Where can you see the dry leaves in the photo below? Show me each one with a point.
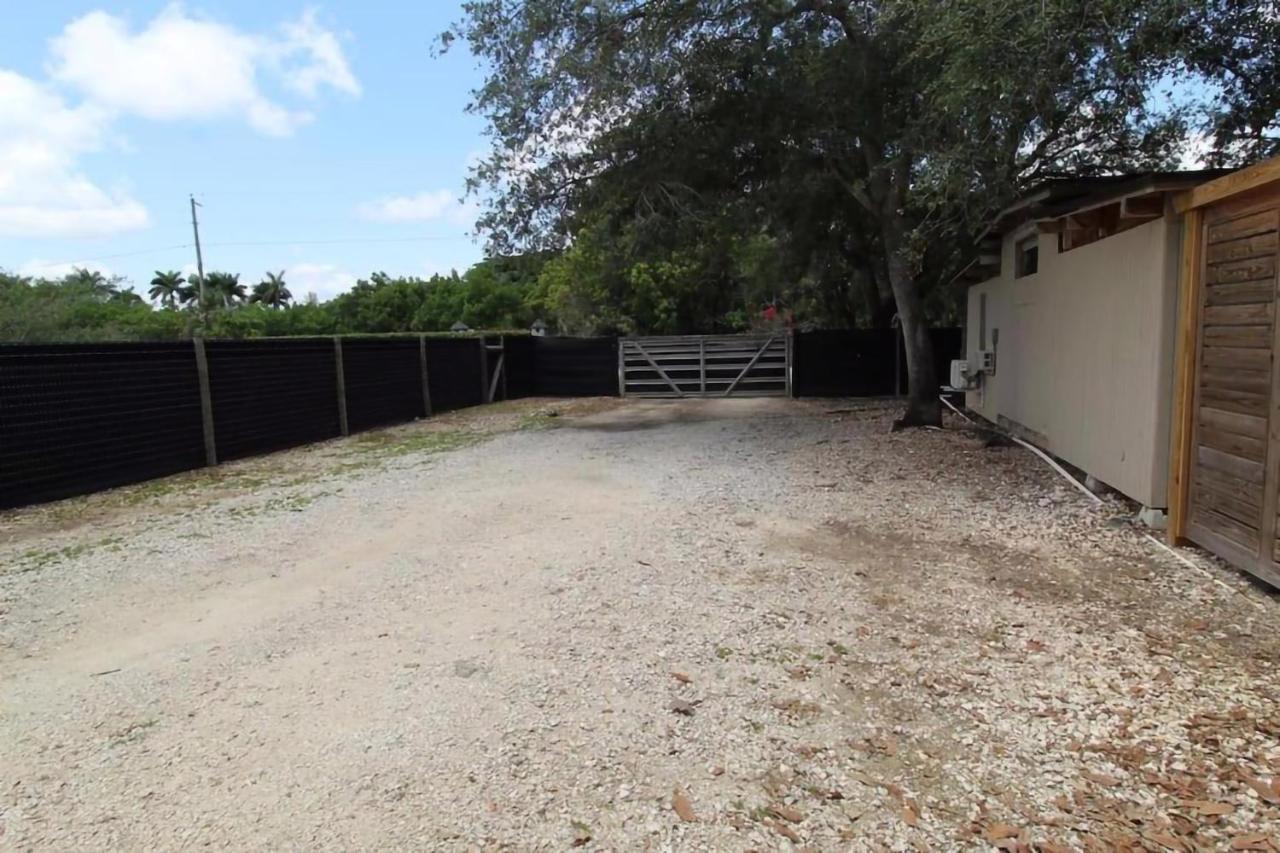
(1268, 791)
(1100, 778)
(998, 831)
(787, 813)
(682, 807)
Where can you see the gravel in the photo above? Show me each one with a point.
(671, 625)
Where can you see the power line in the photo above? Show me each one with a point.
(338, 241)
(81, 261)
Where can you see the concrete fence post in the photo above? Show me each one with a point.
(422, 366)
(484, 370)
(342, 385)
(206, 403)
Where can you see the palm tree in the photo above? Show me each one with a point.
(271, 291)
(167, 288)
(96, 283)
(226, 287)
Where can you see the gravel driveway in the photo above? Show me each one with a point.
(676, 625)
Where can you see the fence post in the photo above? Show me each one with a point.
(622, 366)
(342, 385)
(702, 366)
(502, 359)
(426, 385)
(484, 370)
(206, 403)
(791, 348)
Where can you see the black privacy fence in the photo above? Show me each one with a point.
(78, 418)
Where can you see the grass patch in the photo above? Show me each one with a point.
(132, 733)
(371, 449)
(35, 559)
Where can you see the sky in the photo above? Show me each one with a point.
(327, 140)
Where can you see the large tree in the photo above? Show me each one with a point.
(925, 116)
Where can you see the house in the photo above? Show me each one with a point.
(1125, 325)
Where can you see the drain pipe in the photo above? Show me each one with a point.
(1097, 500)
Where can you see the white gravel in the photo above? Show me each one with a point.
(698, 625)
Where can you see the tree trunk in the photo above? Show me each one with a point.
(923, 405)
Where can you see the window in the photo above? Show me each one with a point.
(1027, 256)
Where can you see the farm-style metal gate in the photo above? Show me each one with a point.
(755, 365)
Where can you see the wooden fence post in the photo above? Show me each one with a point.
(426, 385)
(206, 403)
(484, 370)
(342, 385)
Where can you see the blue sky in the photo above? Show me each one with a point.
(328, 135)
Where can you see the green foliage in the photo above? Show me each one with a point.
(499, 293)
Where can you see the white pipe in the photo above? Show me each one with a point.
(1066, 475)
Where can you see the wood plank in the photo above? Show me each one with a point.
(1240, 402)
(1251, 381)
(1234, 553)
(1226, 527)
(1257, 337)
(1250, 269)
(1241, 226)
(1181, 449)
(1236, 358)
(1238, 315)
(1243, 446)
(1244, 247)
(1232, 506)
(1241, 293)
(1248, 493)
(1236, 424)
(1241, 180)
(1216, 460)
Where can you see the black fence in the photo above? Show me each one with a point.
(863, 362)
(78, 418)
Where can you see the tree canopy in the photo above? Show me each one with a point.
(691, 158)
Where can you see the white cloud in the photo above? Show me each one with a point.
(181, 67)
(324, 280)
(176, 68)
(42, 192)
(422, 207)
(325, 64)
(40, 268)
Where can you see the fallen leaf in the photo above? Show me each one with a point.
(1101, 779)
(1265, 791)
(1167, 841)
(681, 677)
(1208, 807)
(909, 816)
(682, 807)
(787, 813)
(1252, 841)
(997, 831)
(783, 830)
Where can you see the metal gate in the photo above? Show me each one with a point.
(755, 365)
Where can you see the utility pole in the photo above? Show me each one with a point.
(195, 228)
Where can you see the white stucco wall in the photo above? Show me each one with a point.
(1085, 353)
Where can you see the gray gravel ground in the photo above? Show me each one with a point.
(698, 625)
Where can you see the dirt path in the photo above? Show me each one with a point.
(531, 626)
